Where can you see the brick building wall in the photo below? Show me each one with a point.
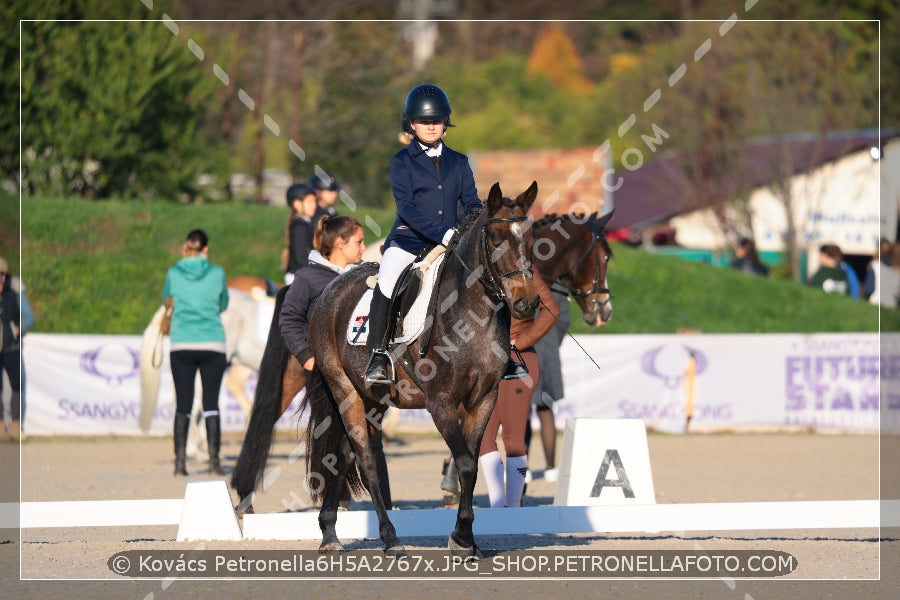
(566, 178)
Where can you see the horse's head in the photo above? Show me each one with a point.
(588, 277)
(508, 241)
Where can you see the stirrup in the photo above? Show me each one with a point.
(388, 363)
(515, 369)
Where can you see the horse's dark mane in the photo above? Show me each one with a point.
(553, 218)
(470, 220)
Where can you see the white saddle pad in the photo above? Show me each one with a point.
(413, 323)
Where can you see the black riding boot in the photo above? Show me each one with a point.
(180, 435)
(514, 369)
(450, 484)
(214, 441)
(379, 364)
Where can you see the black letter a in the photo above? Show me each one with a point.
(602, 481)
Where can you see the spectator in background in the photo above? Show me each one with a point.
(882, 256)
(200, 294)
(747, 258)
(10, 352)
(852, 277)
(326, 188)
(830, 277)
(886, 291)
(300, 228)
(27, 323)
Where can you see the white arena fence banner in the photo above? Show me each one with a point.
(839, 382)
(90, 384)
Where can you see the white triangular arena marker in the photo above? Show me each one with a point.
(207, 513)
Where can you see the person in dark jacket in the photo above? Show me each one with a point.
(300, 229)
(327, 191)
(200, 294)
(10, 351)
(338, 248)
(747, 258)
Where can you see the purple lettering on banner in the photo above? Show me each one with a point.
(115, 410)
(893, 401)
(890, 367)
(819, 388)
(795, 399)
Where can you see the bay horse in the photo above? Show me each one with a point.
(571, 252)
(486, 278)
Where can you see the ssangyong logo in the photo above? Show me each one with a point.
(670, 363)
(113, 362)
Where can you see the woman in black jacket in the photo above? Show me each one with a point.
(339, 246)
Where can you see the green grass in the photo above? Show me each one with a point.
(98, 267)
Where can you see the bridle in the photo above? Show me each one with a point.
(596, 288)
(492, 284)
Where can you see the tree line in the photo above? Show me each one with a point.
(143, 105)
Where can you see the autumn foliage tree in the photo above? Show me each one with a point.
(554, 56)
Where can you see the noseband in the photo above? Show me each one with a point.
(596, 288)
(492, 284)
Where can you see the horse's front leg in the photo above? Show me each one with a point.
(465, 454)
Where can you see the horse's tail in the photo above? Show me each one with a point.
(324, 433)
(251, 463)
(151, 361)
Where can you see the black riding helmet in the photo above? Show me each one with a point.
(297, 191)
(426, 102)
(324, 181)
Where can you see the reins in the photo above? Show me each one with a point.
(596, 288)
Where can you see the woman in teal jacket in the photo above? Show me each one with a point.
(200, 294)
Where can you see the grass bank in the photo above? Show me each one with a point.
(98, 267)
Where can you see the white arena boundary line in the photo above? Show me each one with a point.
(91, 513)
(650, 518)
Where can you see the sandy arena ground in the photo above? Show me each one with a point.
(686, 469)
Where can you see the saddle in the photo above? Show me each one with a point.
(412, 300)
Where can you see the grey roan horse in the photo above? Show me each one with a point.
(486, 277)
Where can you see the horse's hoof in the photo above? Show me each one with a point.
(396, 552)
(459, 551)
(331, 548)
(451, 500)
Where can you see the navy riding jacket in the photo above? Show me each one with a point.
(428, 203)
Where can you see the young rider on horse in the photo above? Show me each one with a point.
(434, 190)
